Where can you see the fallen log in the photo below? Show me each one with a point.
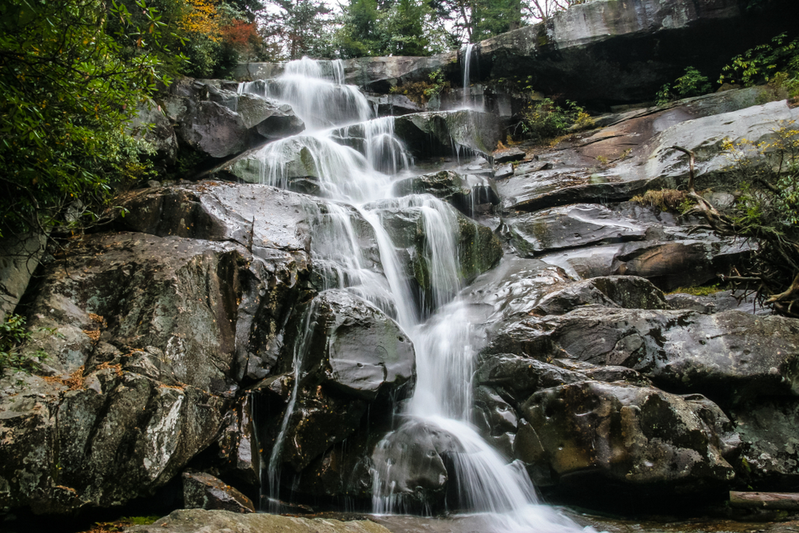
(765, 500)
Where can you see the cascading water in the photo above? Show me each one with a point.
(352, 159)
(467, 59)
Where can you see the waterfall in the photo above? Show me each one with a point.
(467, 59)
(353, 158)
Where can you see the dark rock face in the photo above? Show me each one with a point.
(137, 351)
(607, 52)
(433, 134)
(359, 350)
(150, 334)
(213, 130)
(593, 433)
(350, 355)
(203, 491)
(467, 194)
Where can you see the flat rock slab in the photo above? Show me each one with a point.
(202, 521)
(652, 163)
(571, 227)
(726, 355)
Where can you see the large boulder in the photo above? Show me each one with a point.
(639, 440)
(357, 349)
(268, 223)
(213, 130)
(150, 333)
(141, 344)
(344, 355)
(679, 350)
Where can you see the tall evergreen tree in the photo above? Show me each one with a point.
(396, 27)
(298, 27)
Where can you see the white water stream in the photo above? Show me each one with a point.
(356, 181)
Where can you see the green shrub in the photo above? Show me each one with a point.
(760, 64)
(544, 119)
(692, 83)
(12, 335)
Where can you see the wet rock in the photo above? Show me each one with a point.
(522, 288)
(410, 464)
(505, 171)
(516, 377)
(445, 184)
(652, 163)
(467, 193)
(203, 491)
(679, 350)
(508, 155)
(357, 349)
(344, 470)
(100, 438)
(414, 224)
(213, 130)
(571, 227)
(496, 420)
(269, 119)
(670, 257)
(438, 133)
(269, 223)
(193, 520)
(637, 439)
(238, 446)
(151, 124)
(392, 105)
(352, 356)
(769, 445)
(148, 334)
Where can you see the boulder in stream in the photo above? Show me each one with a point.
(641, 440)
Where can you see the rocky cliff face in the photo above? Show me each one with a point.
(212, 331)
(600, 53)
